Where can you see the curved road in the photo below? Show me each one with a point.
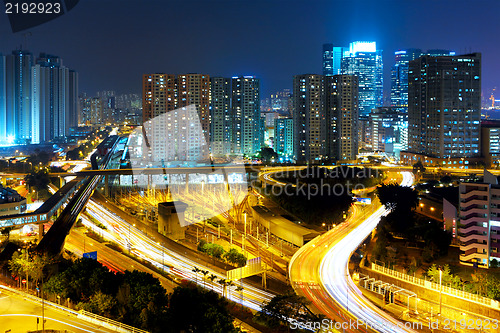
(319, 271)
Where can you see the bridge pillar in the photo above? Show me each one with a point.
(106, 185)
(186, 188)
(40, 231)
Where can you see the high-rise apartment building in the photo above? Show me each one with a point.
(399, 74)
(221, 119)
(174, 111)
(444, 106)
(325, 117)
(332, 59)
(54, 104)
(479, 224)
(194, 89)
(38, 99)
(342, 116)
(309, 118)
(15, 76)
(247, 136)
(283, 138)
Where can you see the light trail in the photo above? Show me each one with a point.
(319, 271)
(144, 247)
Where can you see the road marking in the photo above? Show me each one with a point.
(48, 318)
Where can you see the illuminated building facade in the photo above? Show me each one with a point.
(479, 223)
(363, 60)
(490, 143)
(247, 124)
(220, 113)
(283, 138)
(332, 59)
(389, 130)
(444, 109)
(399, 74)
(325, 117)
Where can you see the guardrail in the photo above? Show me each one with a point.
(108, 323)
(436, 287)
(82, 314)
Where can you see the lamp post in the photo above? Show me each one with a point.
(440, 289)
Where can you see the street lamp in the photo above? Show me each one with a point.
(440, 289)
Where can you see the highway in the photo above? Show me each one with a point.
(125, 234)
(20, 316)
(319, 271)
(53, 241)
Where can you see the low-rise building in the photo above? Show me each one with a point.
(11, 202)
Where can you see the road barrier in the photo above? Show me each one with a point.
(435, 286)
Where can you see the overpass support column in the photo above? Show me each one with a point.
(106, 185)
(40, 231)
(186, 188)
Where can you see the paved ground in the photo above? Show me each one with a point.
(20, 316)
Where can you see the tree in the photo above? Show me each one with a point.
(143, 300)
(397, 197)
(234, 257)
(418, 167)
(192, 309)
(212, 277)
(39, 180)
(281, 308)
(268, 155)
(6, 232)
(100, 304)
(446, 277)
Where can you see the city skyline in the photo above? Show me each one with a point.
(294, 49)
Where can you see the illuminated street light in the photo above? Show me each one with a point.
(440, 289)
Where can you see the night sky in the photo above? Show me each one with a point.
(111, 43)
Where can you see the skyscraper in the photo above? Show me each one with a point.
(325, 117)
(246, 115)
(220, 113)
(283, 138)
(194, 89)
(363, 60)
(332, 59)
(341, 92)
(16, 74)
(53, 91)
(38, 100)
(444, 106)
(175, 110)
(399, 74)
(309, 118)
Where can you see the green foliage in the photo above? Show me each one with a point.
(418, 167)
(28, 265)
(267, 155)
(142, 300)
(135, 298)
(446, 277)
(211, 249)
(234, 257)
(397, 197)
(82, 279)
(39, 180)
(196, 310)
(99, 303)
(494, 263)
(283, 307)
